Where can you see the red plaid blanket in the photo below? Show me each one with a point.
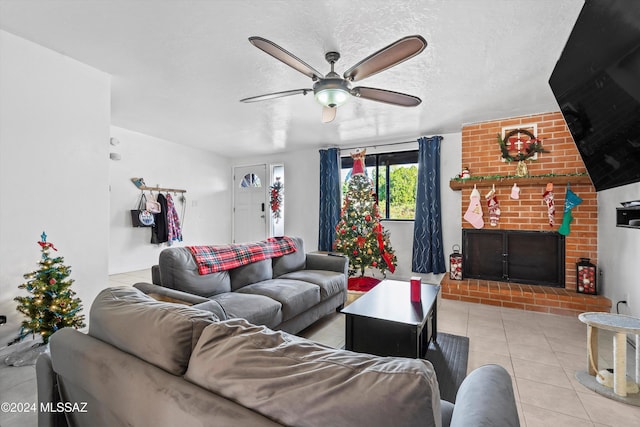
(211, 259)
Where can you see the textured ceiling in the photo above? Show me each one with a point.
(179, 68)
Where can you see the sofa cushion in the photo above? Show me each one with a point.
(298, 382)
(294, 295)
(256, 309)
(178, 270)
(250, 273)
(330, 282)
(161, 333)
(290, 262)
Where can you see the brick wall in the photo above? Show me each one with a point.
(481, 154)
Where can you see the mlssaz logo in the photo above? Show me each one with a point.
(63, 407)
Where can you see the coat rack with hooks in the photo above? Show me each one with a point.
(140, 184)
(161, 189)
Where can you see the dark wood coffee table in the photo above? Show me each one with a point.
(385, 322)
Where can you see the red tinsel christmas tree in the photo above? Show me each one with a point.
(360, 235)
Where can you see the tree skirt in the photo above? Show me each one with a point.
(362, 284)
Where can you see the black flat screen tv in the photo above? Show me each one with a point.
(596, 82)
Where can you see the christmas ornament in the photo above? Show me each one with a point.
(455, 264)
(586, 276)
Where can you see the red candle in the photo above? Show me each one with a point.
(416, 289)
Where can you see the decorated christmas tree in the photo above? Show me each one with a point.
(359, 233)
(52, 304)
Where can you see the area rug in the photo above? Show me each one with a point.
(449, 356)
(362, 284)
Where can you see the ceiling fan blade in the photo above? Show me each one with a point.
(276, 95)
(328, 114)
(395, 53)
(386, 96)
(288, 58)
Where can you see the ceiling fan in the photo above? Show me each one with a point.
(331, 91)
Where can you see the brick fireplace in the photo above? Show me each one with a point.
(482, 156)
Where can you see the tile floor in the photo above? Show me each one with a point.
(540, 351)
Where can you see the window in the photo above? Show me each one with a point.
(250, 180)
(395, 179)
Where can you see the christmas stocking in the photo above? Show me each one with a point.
(474, 212)
(494, 210)
(571, 200)
(515, 192)
(565, 229)
(551, 209)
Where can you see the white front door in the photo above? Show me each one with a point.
(250, 210)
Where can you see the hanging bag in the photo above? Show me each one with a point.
(153, 206)
(141, 217)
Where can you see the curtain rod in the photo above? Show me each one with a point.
(379, 145)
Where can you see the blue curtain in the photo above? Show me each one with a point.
(329, 197)
(428, 255)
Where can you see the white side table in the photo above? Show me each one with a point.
(621, 325)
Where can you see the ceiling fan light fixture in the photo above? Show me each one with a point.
(332, 93)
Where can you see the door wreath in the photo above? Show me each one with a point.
(531, 146)
(276, 199)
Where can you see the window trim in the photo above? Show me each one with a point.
(385, 160)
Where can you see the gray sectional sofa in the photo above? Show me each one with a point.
(286, 293)
(151, 363)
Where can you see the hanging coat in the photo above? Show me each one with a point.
(159, 232)
(173, 222)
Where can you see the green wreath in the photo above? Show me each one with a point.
(534, 147)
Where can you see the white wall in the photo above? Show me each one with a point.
(618, 250)
(302, 171)
(54, 133)
(205, 176)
